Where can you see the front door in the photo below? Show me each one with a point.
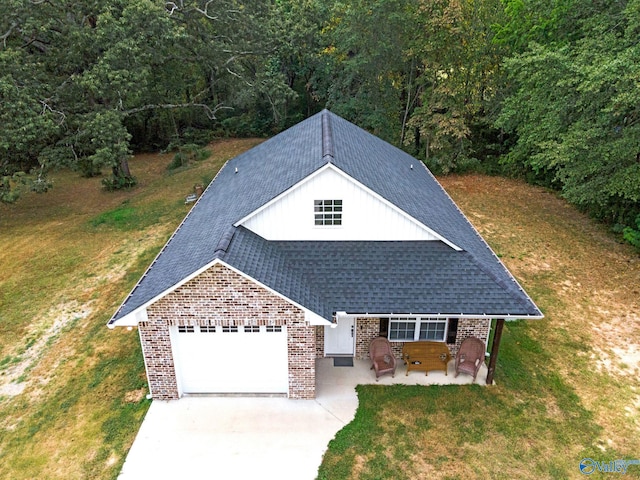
(340, 340)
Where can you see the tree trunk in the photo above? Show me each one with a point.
(121, 170)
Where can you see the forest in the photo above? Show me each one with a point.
(545, 90)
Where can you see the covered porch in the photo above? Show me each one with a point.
(329, 376)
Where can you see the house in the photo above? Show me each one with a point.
(310, 245)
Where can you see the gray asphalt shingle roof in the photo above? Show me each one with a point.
(325, 277)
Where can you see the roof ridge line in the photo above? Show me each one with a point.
(327, 136)
(225, 240)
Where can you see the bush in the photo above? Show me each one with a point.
(113, 183)
(187, 154)
(632, 235)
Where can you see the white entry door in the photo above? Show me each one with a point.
(242, 359)
(340, 340)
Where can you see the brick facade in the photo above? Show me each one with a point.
(158, 359)
(220, 296)
(467, 327)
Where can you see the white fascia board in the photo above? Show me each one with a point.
(140, 314)
(340, 172)
(472, 316)
(131, 319)
(314, 318)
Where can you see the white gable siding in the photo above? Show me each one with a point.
(364, 217)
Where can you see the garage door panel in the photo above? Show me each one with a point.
(232, 360)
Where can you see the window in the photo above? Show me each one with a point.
(412, 329)
(186, 329)
(274, 328)
(229, 329)
(401, 329)
(432, 331)
(452, 330)
(327, 212)
(251, 329)
(207, 329)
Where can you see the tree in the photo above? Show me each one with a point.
(365, 63)
(574, 113)
(82, 80)
(418, 73)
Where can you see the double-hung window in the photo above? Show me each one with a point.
(411, 329)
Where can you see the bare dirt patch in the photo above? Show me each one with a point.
(43, 333)
(135, 396)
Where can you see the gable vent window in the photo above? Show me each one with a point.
(186, 329)
(327, 212)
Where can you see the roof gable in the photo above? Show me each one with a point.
(365, 215)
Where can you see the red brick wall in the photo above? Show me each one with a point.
(220, 296)
(366, 330)
(471, 328)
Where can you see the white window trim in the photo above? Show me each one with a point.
(416, 332)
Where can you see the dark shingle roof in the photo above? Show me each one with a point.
(375, 277)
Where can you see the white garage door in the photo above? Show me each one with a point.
(244, 359)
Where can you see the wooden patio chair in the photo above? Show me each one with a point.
(470, 356)
(381, 356)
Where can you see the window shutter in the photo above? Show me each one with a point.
(384, 327)
(452, 333)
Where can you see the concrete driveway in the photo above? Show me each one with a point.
(239, 437)
(256, 437)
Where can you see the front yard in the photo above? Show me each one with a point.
(72, 393)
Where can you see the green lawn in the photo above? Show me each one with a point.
(73, 392)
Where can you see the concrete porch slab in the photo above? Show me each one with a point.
(361, 374)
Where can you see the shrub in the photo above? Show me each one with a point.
(112, 183)
(187, 154)
(632, 235)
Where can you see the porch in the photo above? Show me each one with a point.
(328, 376)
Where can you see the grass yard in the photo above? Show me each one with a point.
(73, 393)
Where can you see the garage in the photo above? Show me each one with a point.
(231, 359)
